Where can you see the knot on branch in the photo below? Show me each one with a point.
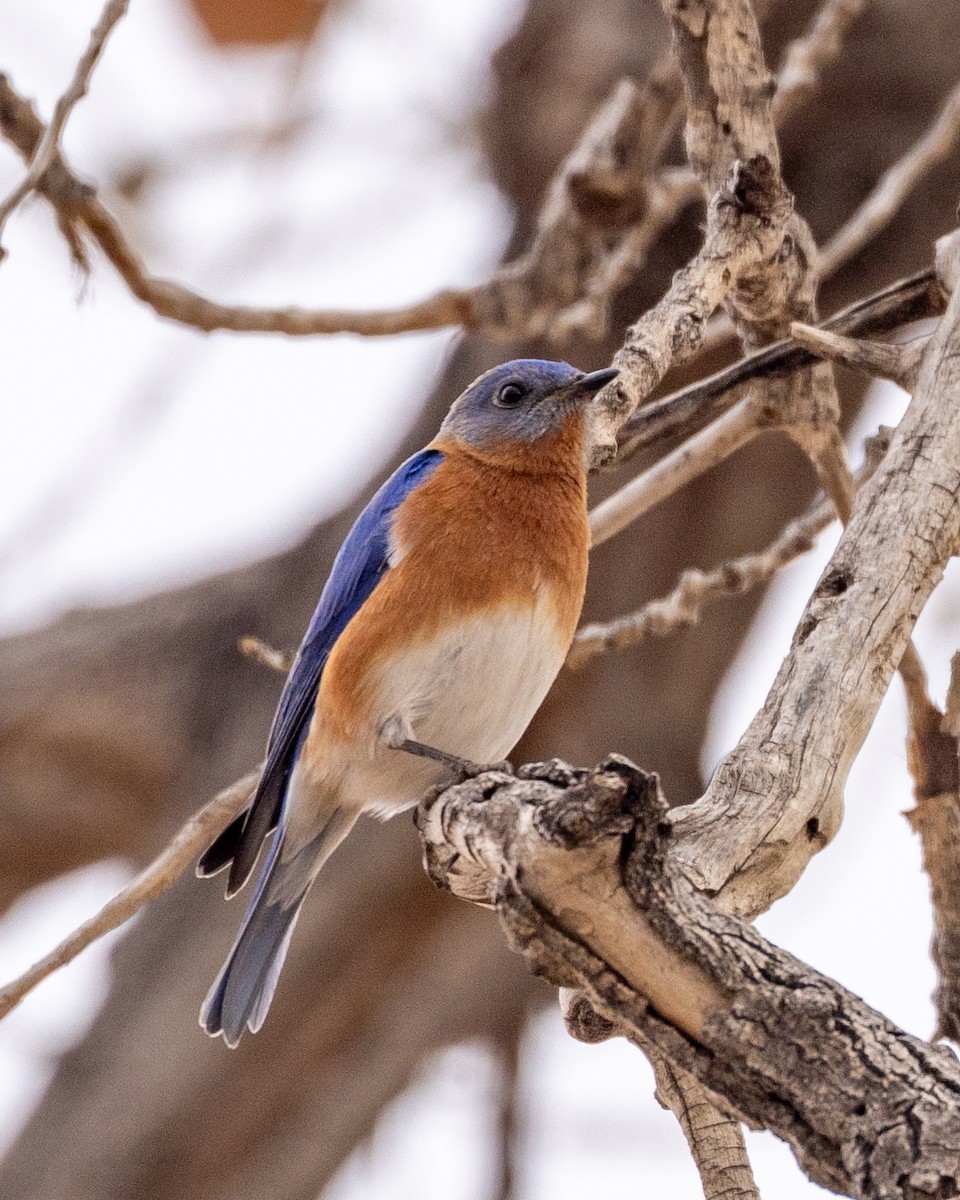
(748, 186)
(478, 833)
(596, 804)
(582, 1020)
(753, 190)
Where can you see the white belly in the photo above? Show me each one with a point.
(472, 692)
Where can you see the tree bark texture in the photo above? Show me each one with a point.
(578, 867)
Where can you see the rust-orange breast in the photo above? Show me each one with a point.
(485, 532)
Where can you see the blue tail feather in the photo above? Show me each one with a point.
(248, 979)
(241, 993)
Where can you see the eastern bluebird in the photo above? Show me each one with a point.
(447, 615)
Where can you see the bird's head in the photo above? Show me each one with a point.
(522, 407)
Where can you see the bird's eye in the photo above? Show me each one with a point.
(510, 396)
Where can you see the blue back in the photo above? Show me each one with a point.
(358, 567)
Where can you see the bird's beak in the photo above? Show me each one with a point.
(589, 385)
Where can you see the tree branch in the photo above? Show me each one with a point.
(809, 56)
(153, 881)
(900, 364)
(745, 263)
(579, 867)
(696, 588)
(777, 798)
(47, 149)
(697, 454)
(932, 750)
(267, 656)
(602, 188)
(715, 1139)
(901, 303)
(893, 188)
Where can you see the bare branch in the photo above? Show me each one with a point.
(777, 797)
(579, 867)
(156, 879)
(671, 190)
(899, 304)
(47, 150)
(604, 208)
(715, 1139)
(764, 282)
(808, 57)
(745, 223)
(894, 187)
(600, 191)
(882, 359)
(698, 454)
(589, 314)
(80, 212)
(684, 605)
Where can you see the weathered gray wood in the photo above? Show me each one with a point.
(778, 796)
(578, 865)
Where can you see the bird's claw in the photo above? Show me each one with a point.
(462, 768)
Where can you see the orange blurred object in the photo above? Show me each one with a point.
(259, 22)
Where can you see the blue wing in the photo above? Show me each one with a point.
(358, 567)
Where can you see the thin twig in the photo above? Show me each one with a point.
(153, 881)
(696, 588)
(715, 1139)
(599, 189)
(894, 187)
(48, 147)
(605, 191)
(673, 189)
(589, 315)
(698, 454)
(265, 655)
(80, 212)
(594, 193)
(683, 606)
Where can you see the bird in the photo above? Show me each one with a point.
(447, 615)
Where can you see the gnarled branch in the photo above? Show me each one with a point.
(578, 866)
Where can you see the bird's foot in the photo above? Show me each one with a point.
(462, 768)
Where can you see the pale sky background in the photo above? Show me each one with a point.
(179, 454)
